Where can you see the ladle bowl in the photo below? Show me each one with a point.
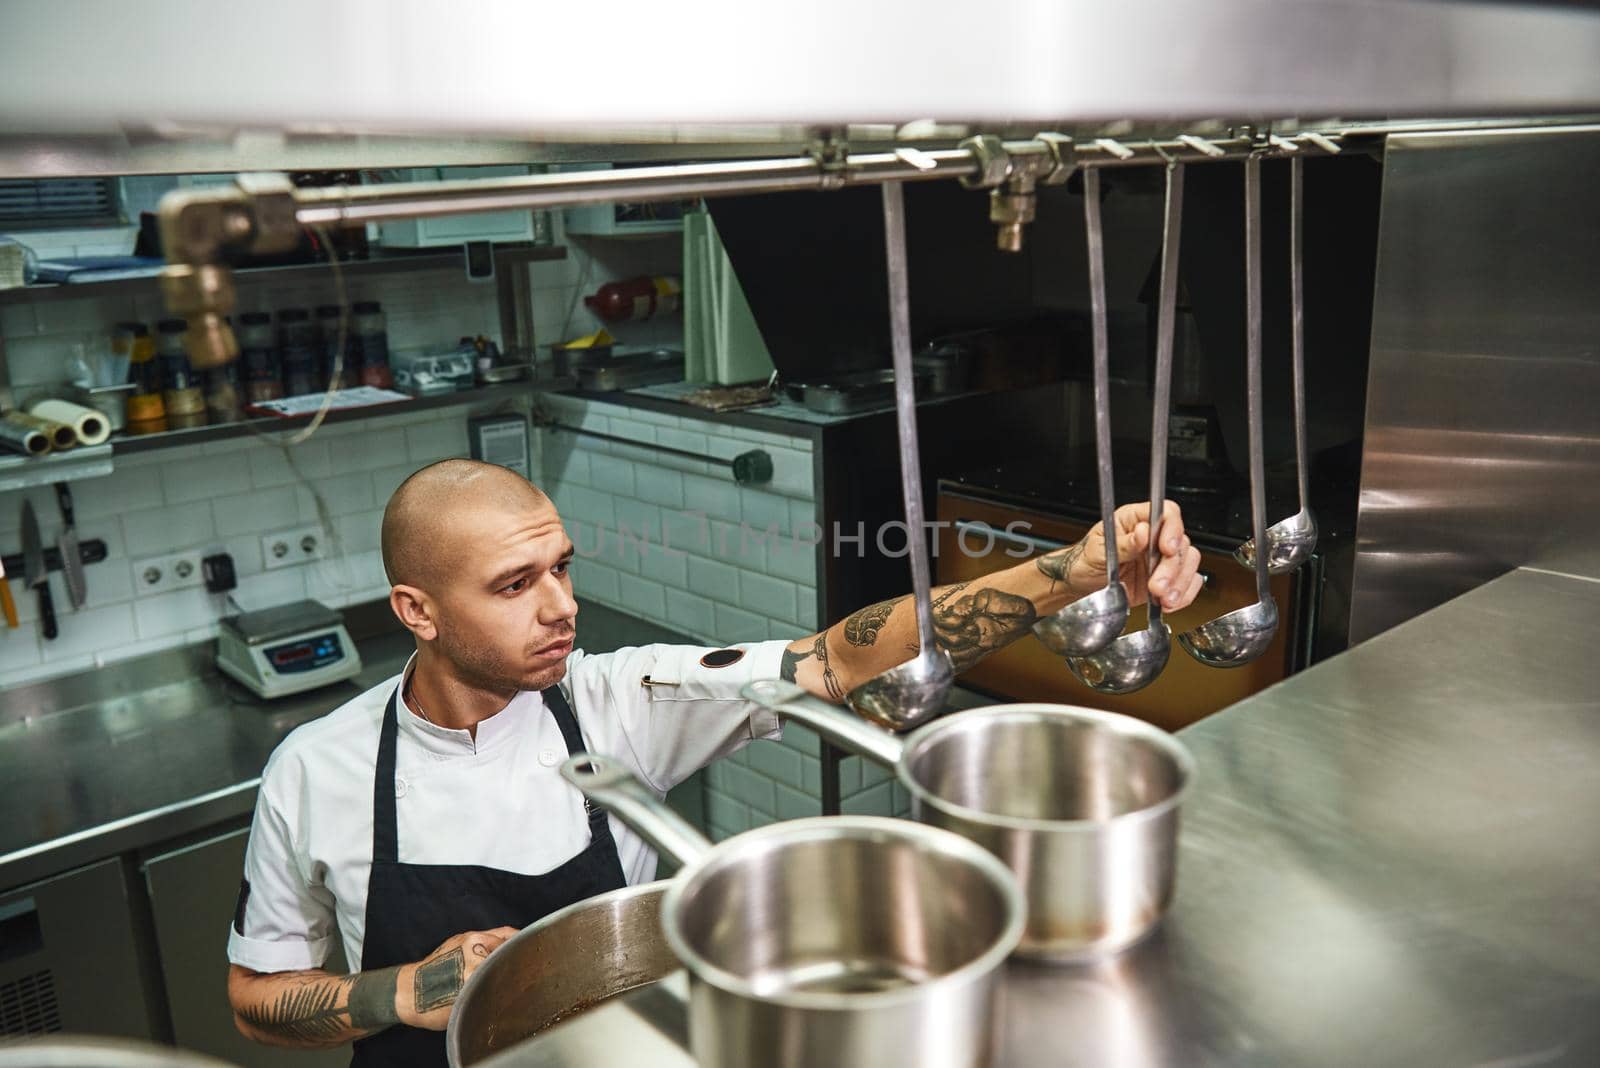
(908, 695)
(1234, 639)
(1290, 543)
(1129, 663)
(1087, 625)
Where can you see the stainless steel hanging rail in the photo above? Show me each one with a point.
(265, 213)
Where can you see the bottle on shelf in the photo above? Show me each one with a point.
(328, 316)
(224, 398)
(181, 392)
(299, 352)
(145, 410)
(372, 342)
(644, 297)
(258, 358)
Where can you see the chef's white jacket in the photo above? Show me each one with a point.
(497, 800)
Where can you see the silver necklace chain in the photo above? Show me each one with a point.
(411, 693)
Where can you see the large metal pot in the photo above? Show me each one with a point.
(1081, 804)
(552, 970)
(833, 941)
(68, 1051)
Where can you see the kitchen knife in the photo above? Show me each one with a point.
(33, 568)
(67, 543)
(7, 605)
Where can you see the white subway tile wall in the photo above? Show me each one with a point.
(678, 542)
(149, 507)
(674, 529)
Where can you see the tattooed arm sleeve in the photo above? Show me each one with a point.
(970, 621)
(312, 1009)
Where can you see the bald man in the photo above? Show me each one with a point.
(426, 821)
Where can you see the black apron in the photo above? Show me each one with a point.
(412, 908)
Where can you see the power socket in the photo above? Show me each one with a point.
(164, 574)
(299, 545)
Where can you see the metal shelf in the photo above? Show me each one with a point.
(172, 439)
(507, 254)
(20, 472)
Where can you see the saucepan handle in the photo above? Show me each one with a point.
(606, 782)
(838, 725)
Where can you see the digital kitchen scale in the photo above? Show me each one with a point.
(288, 649)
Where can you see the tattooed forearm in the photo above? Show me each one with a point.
(789, 667)
(372, 999)
(829, 680)
(790, 664)
(311, 1012)
(439, 981)
(862, 627)
(316, 1009)
(970, 628)
(1057, 566)
(943, 595)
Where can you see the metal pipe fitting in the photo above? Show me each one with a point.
(994, 162)
(257, 215)
(1011, 208)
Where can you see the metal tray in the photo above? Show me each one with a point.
(630, 372)
(857, 392)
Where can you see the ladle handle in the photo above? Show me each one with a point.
(1297, 299)
(609, 784)
(1252, 350)
(1161, 401)
(842, 728)
(905, 411)
(1102, 367)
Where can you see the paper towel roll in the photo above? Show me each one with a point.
(61, 435)
(27, 439)
(90, 425)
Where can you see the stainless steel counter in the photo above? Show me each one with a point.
(1392, 858)
(143, 752)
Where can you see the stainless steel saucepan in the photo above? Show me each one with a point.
(830, 941)
(1082, 805)
(82, 1051)
(564, 964)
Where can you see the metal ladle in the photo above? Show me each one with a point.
(1091, 623)
(1133, 661)
(915, 691)
(1245, 633)
(1291, 541)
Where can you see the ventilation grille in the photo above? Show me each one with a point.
(28, 1006)
(28, 202)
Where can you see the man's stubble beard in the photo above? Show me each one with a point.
(482, 668)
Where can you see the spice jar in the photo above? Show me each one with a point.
(299, 352)
(372, 341)
(223, 395)
(146, 413)
(258, 356)
(181, 393)
(328, 319)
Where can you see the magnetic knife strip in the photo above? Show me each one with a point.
(90, 552)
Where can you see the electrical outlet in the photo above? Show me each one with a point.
(300, 545)
(163, 574)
